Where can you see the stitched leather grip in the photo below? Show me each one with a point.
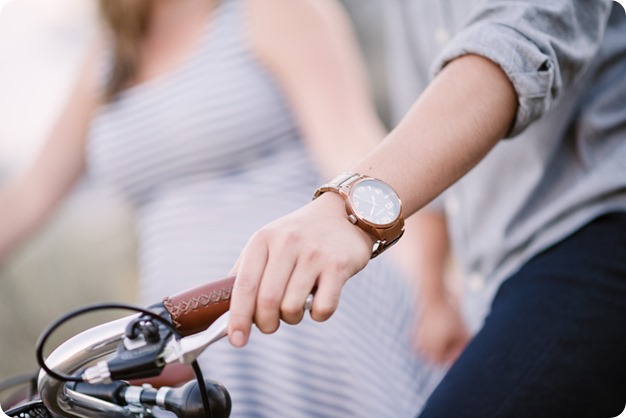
(194, 310)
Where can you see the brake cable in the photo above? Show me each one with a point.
(45, 335)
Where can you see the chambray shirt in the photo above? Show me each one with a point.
(564, 161)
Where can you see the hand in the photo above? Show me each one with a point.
(315, 248)
(441, 335)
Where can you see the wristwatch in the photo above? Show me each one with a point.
(372, 205)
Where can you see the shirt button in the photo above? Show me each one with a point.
(442, 36)
(476, 282)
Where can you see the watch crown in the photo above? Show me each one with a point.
(352, 219)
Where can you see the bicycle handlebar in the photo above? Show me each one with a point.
(191, 312)
(196, 309)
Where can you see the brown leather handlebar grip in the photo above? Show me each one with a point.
(194, 310)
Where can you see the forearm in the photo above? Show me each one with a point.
(459, 118)
(351, 139)
(18, 218)
(432, 256)
(465, 111)
(29, 200)
(310, 49)
(429, 243)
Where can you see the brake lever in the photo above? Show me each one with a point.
(187, 349)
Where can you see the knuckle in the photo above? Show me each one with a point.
(268, 327)
(314, 255)
(263, 233)
(239, 321)
(277, 237)
(268, 301)
(339, 265)
(289, 238)
(291, 313)
(262, 236)
(245, 285)
(322, 312)
(294, 320)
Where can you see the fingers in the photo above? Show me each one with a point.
(315, 273)
(435, 351)
(273, 284)
(452, 353)
(430, 348)
(457, 346)
(327, 295)
(268, 283)
(289, 279)
(441, 346)
(286, 259)
(303, 281)
(243, 300)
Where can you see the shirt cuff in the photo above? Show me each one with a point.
(530, 70)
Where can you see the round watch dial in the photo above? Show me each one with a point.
(375, 202)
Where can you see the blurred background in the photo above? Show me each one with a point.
(87, 253)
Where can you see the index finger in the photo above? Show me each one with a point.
(250, 265)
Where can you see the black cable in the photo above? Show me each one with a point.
(203, 392)
(43, 338)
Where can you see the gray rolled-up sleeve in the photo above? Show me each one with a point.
(540, 45)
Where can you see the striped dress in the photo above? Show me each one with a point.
(207, 154)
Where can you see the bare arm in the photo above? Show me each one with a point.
(424, 252)
(26, 202)
(440, 333)
(309, 46)
(465, 111)
(311, 50)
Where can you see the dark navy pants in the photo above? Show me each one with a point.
(554, 343)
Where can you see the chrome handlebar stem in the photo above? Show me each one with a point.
(72, 356)
(81, 353)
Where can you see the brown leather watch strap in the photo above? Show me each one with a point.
(195, 309)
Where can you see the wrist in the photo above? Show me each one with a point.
(434, 299)
(369, 204)
(331, 204)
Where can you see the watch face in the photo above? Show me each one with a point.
(375, 202)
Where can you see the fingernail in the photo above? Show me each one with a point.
(238, 339)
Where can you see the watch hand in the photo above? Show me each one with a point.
(365, 201)
(372, 202)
